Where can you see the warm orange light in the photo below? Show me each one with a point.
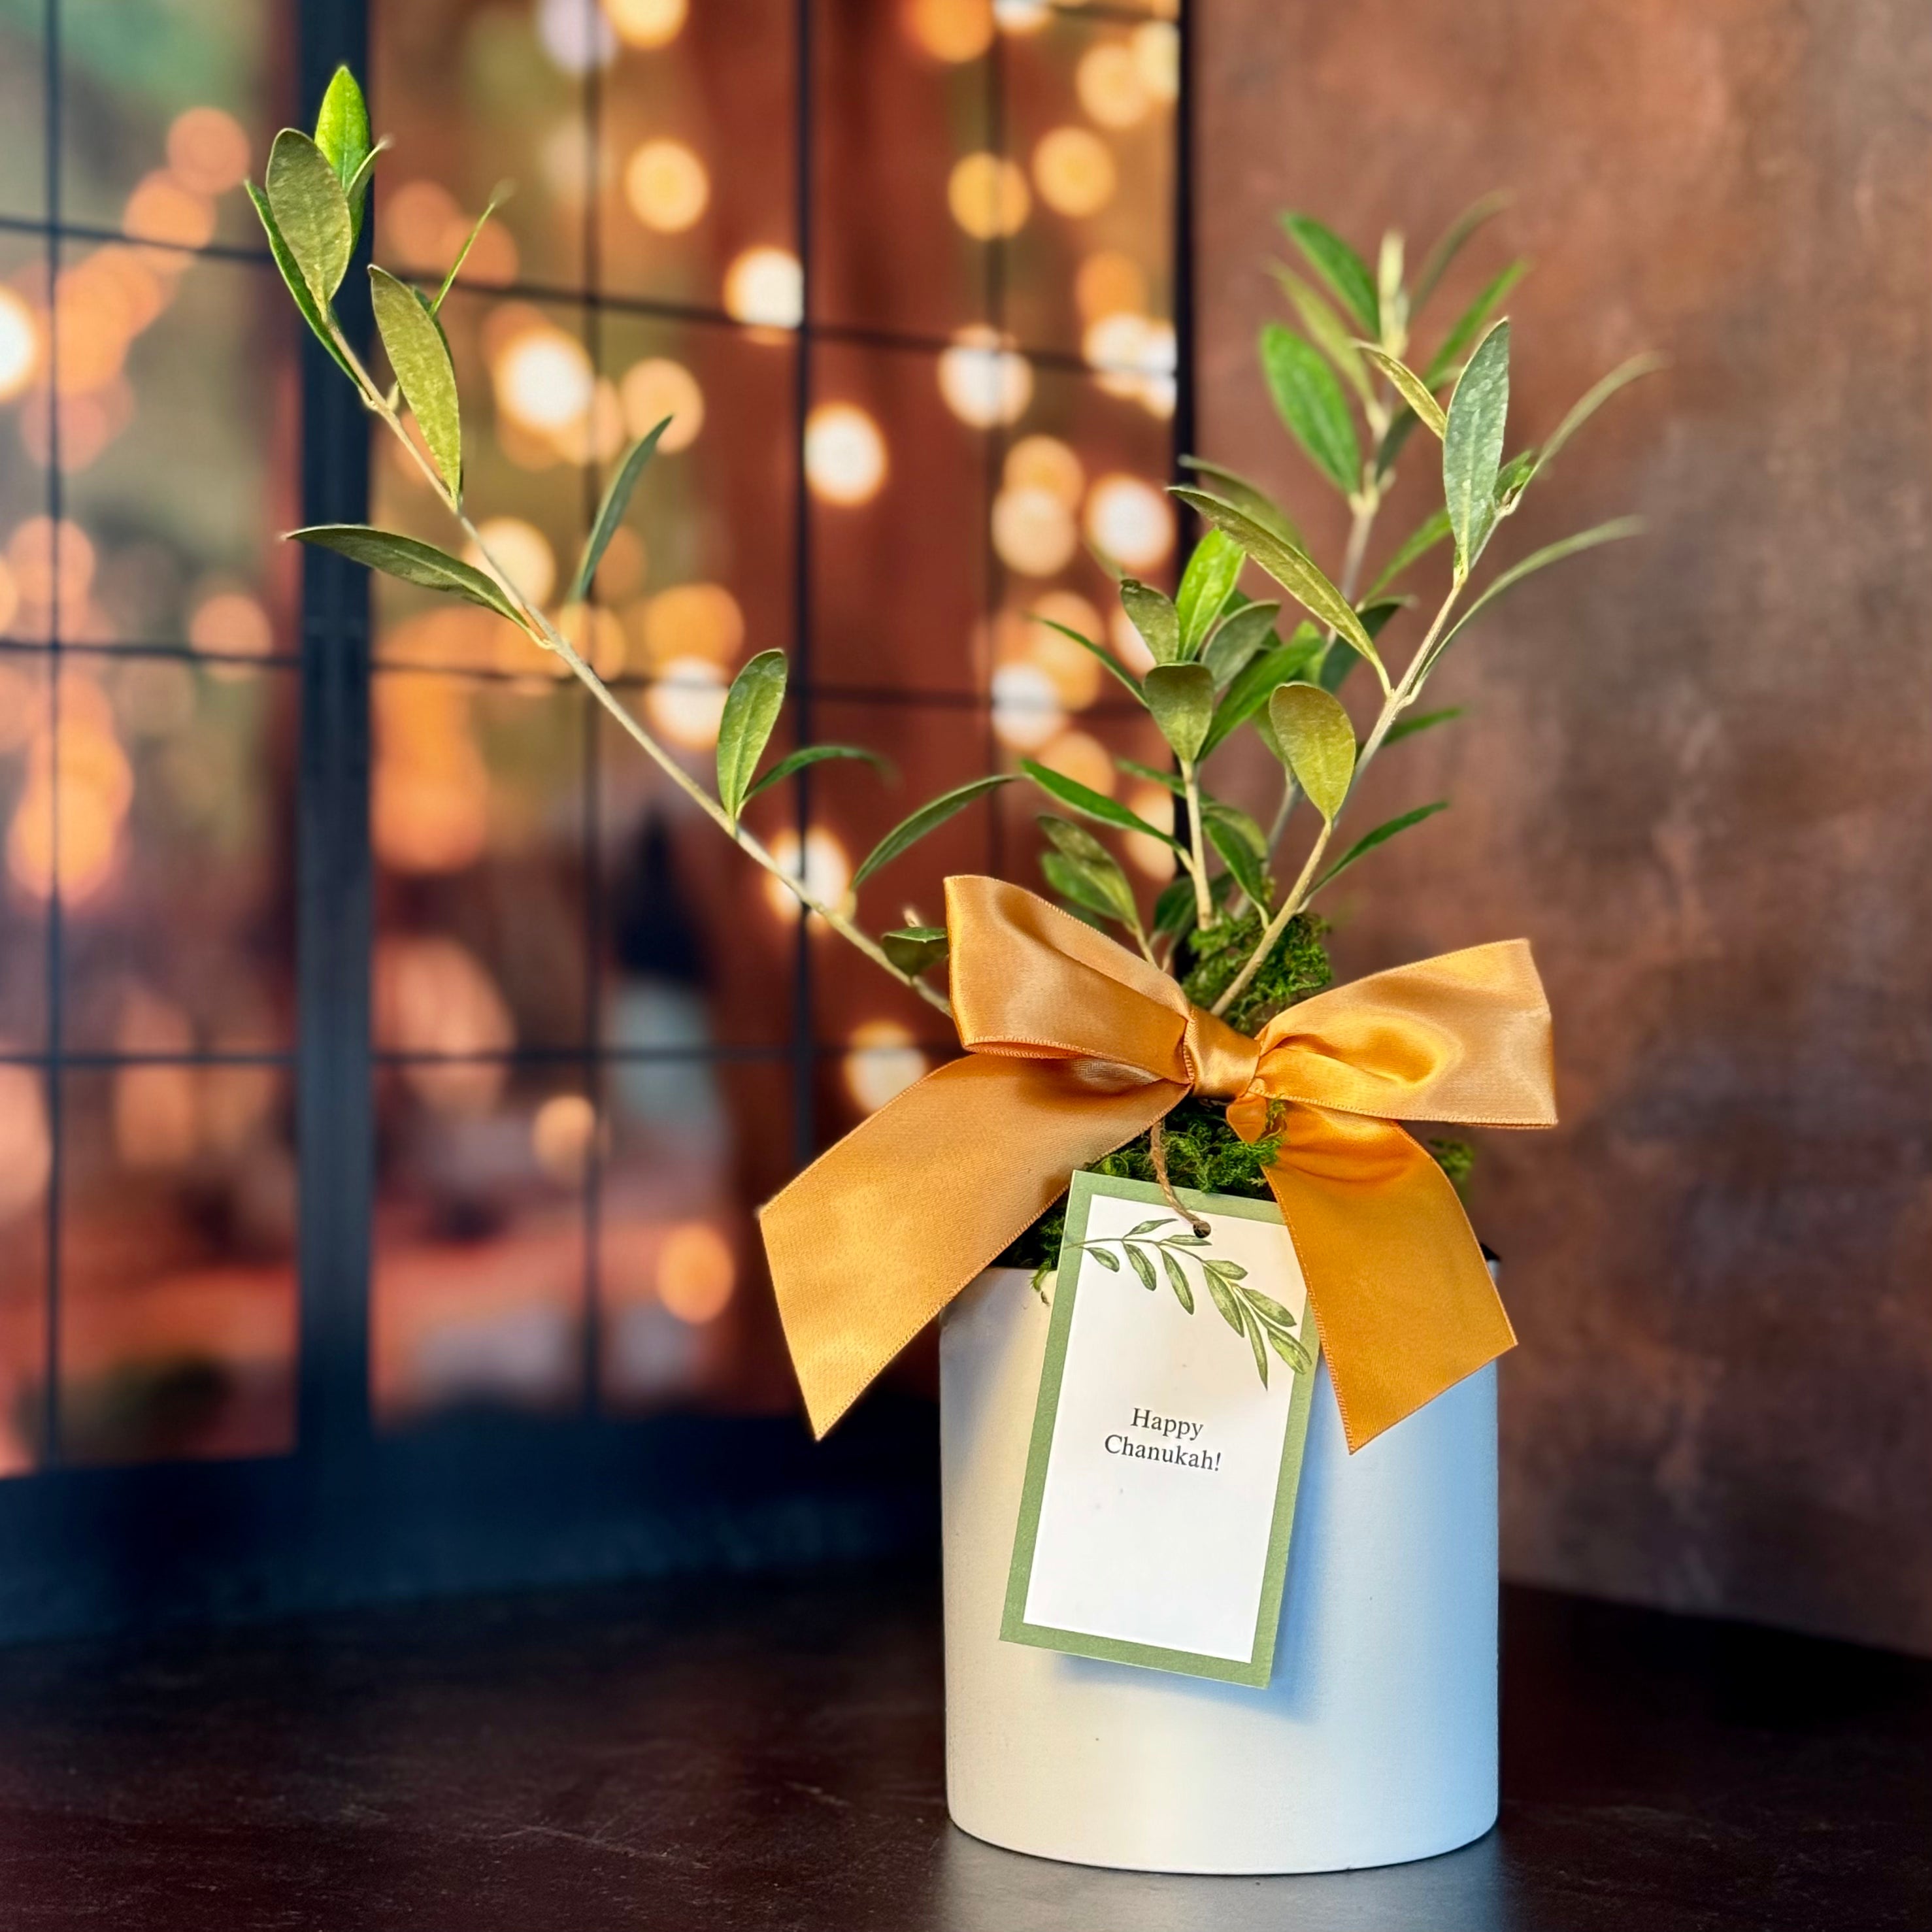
(1157, 54)
(207, 150)
(544, 380)
(1026, 707)
(597, 637)
(695, 1273)
(844, 454)
(667, 186)
(646, 23)
(75, 842)
(657, 387)
(435, 997)
(1135, 357)
(1073, 169)
(983, 380)
(1080, 756)
(522, 552)
(987, 195)
(625, 564)
(154, 1112)
(693, 620)
(1033, 531)
(163, 209)
(1045, 463)
(685, 703)
(882, 1062)
(233, 622)
(950, 30)
(562, 1131)
(1130, 521)
(20, 345)
(1151, 856)
(26, 1150)
(51, 563)
(429, 804)
(1111, 85)
(420, 221)
(1109, 283)
(1076, 673)
(1022, 17)
(827, 871)
(766, 287)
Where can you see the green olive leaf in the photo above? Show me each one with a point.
(929, 818)
(313, 313)
(1236, 638)
(1291, 568)
(1091, 804)
(792, 762)
(1433, 530)
(1472, 446)
(1310, 401)
(611, 511)
(1102, 889)
(342, 134)
(1326, 330)
(1380, 836)
(1468, 324)
(1239, 855)
(751, 708)
(1177, 1278)
(1206, 585)
(1338, 265)
(417, 353)
(1250, 498)
(413, 561)
(914, 949)
(1424, 721)
(1317, 742)
(311, 212)
(1086, 644)
(1154, 615)
(1181, 698)
(1454, 236)
(1247, 692)
(501, 194)
(1413, 390)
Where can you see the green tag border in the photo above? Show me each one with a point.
(1014, 1627)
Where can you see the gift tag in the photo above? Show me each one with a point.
(1167, 1443)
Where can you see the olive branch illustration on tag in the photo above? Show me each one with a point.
(1259, 1319)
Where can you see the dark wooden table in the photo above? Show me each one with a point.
(750, 1755)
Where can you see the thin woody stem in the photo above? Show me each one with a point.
(543, 633)
(1204, 900)
(1277, 925)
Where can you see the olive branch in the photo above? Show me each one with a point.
(1259, 1319)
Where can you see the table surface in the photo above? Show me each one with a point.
(751, 1754)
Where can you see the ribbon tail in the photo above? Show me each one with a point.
(1397, 1278)
(873, 1239)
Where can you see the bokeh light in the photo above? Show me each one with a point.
(20, 345)
(1151, 857)
(1129, 521)
(1022, 17)
(563, 1131)
(1033, 531)
(522, 552)
(544, 380)
(1108, 282)
(882, 1061)
(1074, 170)
(207, 150)
(844, 454)
(1157, 54)
(987, 195)
(827, 873)
(766, 287)
(646, 23)
(686, 702)
(1045, 463)
(1080, 756)
(692, 620)
(696, 1273)
(1111, 85)
(233, 622)
(667, 186)
(657, 387)
(26, 1148)
(983, 380)
(1026, 707)
(578, 37)
(950, 30)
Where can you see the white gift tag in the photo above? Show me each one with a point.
(1167, 1443)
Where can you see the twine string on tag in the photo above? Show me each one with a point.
(1157, 1149)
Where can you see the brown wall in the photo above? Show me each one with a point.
(1699, 771)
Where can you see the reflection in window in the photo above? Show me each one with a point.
(147, 738)
(602, 1042)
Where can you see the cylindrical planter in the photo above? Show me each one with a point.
(1374, 1743)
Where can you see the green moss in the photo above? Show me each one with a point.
(1204, 1153)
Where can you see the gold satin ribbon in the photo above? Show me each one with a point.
(1074, 1046)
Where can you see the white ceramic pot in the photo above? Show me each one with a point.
(1375, 1743)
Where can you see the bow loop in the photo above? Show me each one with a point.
(1074, 1046)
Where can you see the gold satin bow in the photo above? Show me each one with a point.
(1074, 1046)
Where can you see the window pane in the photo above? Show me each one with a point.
(25, 1162)
(160, 355)
(165, 105)
(478, 1283)
(698, 169)
(27, 814)
(899, 505)
(477, 95)
(907, 191)
(477, 817)
(178, 1311)
(23, 178)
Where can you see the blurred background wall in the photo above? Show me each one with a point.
(1696, 769)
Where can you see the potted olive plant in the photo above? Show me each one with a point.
(1375, 1739)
